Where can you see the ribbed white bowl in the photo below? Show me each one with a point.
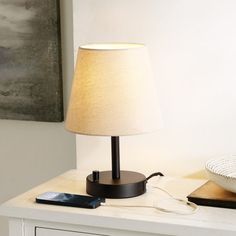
(223, 172)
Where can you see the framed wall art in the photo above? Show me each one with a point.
(30, 60)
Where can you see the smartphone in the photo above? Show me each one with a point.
(68, 199)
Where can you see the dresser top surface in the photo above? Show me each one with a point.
(133, 218)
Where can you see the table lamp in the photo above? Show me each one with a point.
(113, 94)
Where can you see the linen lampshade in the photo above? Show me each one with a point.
(113, 91)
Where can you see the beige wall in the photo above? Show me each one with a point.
(192, 48)
(32, 152)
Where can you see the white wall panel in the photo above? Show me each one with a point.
(193, 52)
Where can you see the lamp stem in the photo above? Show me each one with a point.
(115, 155)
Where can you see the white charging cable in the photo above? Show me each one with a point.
(192, 206)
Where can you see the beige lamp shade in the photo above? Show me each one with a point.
(113, 91)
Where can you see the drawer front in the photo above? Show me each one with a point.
(55, 232)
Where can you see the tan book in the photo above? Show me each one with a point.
(210, 194)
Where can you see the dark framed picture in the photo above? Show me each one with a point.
(30, 60)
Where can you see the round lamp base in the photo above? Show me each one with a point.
(130, 184)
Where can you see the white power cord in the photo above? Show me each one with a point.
(192, 206)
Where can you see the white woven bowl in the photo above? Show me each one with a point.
(223, 172)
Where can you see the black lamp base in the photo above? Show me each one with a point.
(130, 184)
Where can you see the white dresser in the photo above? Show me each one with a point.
(27, 218)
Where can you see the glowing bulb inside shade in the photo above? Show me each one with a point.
(111, 46)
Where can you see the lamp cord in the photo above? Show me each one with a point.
(189, 204)
(154, 175)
